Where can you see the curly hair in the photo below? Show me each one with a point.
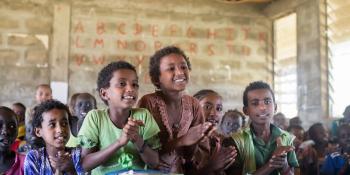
(106, 74)
(203, 93)
(154, 62)
(43, 107)
(254, 86)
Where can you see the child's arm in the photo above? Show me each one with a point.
(148, 155)
(278, 161)
(193, 136)
(92, 157)
(30, 166)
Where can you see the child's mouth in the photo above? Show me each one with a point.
(128, 97)
(61, 138)
(4, 141)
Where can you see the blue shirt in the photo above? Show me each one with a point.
(333, 163)
(37, 162)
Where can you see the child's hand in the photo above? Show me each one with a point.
(62, 162)
(279, 156)
(197, 133)
(130, 131)
(223, 158)
(281, 150)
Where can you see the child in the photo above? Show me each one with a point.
(31, 142)
(280, 121)
(50, 123)
(299, 134)
(338, 162)
(43, 93)
(20, 110)
(231, 122)
(10, 161)
(344, 120)
(179, 116)
(262, 147)
(319, 134)
(214, 161)
(295, 121)
(119, 137)
(83, 103)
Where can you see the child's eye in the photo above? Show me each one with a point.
(135, 85)
(52, 125)
(64, 124)
(255, 103)
(267, 101)
(172, 68)
(12, 126)
(207, 107)
(122, 84)
(219, 108)
(184, 67)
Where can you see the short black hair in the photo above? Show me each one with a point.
(154, 62)
(254, 86)
(43, 107)
(313, 129)
(106, 74)
(8, 111)
(20, 105)
(203, 93)
(294, 127)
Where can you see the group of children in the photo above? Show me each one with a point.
(168, 132)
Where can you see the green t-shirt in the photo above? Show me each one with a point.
(98, 131)
(254, 153)
(263, 152)
(73, 141)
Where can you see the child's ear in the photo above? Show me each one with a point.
(37, 132)
(103, 94)
(245, 110)
(275, 107)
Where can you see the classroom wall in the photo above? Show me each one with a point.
(228, 45)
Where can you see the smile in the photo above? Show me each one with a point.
(129, 97)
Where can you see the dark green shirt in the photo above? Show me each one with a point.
(263, 151)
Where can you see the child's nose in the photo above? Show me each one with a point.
(179, 71)
(130, 88)
(4, 130)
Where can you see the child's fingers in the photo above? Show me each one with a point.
(136, 122)
(279, 141)
(211, 131)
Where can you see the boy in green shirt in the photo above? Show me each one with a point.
(262, 147)
(119, 137)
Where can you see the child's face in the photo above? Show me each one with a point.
(19, 112)
(8, 130)
(43, 94)
(299, 136)
(54, 128)
(174, 73)
(261, 106)
(29, 130)
(321, 135)
(280, 121)
(212, 108)
(123, 89)
(231, 124)
(344, 138)
(83, 105)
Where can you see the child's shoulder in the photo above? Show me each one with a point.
(97, 113)
(140, 113)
